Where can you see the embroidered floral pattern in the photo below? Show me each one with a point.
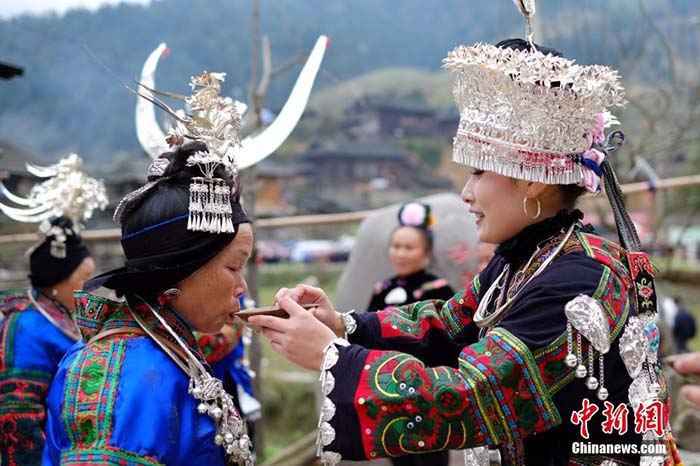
(90, 392)
(216, 347)
(106, 455)
(416, 319)
(405, 407)
(23, 390)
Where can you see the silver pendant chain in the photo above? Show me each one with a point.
(482, 318)
(75, 336)
(214, 401)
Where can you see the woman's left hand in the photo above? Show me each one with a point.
(301, 338)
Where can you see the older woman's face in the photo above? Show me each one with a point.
(74, 282)
(209, 297)
(408, 252)
(497, 203)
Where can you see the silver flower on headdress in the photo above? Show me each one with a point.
(68, 192)
(214, 121)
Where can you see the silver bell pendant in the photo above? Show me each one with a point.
(591, 383)
(581, 371)
(571, 360)
(602, 393)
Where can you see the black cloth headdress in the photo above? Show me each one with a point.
(160, 250)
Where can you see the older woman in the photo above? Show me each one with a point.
(560, 367)
(39, 325)
(138, 390)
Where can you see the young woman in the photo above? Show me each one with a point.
(37, 324)
(561, 344)
(410, 251)
(138, 390)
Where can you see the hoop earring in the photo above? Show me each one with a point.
(168, 295)
(539, 209)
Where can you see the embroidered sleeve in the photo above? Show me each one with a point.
(104, 456)
(22, 415)
(434, 331)
(390, 404)
(23, 388)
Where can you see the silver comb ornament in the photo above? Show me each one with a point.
(68, 192)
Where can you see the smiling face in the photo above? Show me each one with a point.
(497, 203)
(408, 251)
(209, 297)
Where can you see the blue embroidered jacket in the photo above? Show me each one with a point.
(119, 399)
(35, 333)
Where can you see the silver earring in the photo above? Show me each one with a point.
(539, 209)
(172, 293)
(54, 292)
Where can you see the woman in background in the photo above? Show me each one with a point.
(39, 322)
(410, 251)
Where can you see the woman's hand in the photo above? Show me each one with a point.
(325, 312)
(301, 338)
(689, 364)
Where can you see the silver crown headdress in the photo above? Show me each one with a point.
(527, 115)
(214, 121)
(67, 193)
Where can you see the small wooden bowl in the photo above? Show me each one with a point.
(275, 311)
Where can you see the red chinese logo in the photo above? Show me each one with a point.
(650, 416)
(583, 416)
(615, 418)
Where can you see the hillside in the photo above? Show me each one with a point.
(67, 101)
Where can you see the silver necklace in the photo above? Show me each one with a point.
(73, 336)
(214, 401)
(482, 318)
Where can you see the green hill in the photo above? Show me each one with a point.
(67, 101)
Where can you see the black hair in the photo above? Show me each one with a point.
(571, 193)
(525, 46)
(426, 234)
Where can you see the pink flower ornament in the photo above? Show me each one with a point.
(413, 214)
(590, 169)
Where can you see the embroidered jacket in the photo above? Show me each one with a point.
(420, 286)
(401, 388)
(119, 399)
(35, 333)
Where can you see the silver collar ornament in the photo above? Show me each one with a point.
(214, 400)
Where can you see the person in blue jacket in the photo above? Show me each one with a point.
(37, 323)
(139, 390)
